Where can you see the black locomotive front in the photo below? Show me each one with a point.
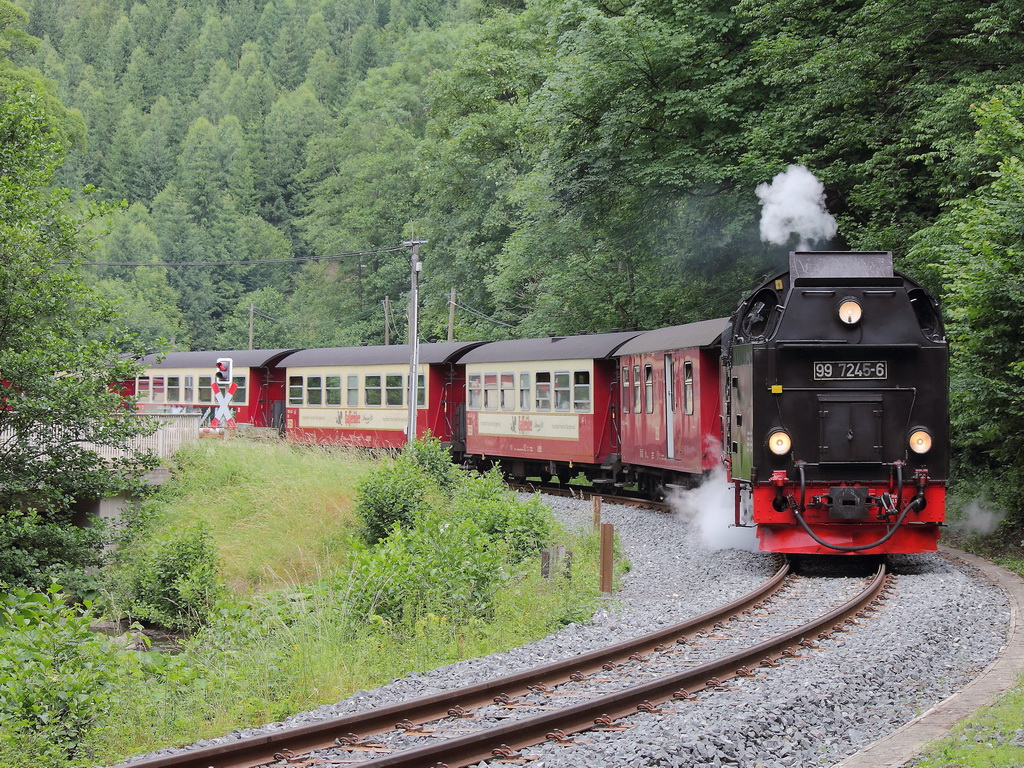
(835, 389)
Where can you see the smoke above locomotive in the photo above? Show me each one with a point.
(794, 203)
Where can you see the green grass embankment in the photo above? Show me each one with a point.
(293, 630)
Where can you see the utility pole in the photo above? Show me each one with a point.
(252, 310)
(414, 342)
(387, 321)
(451, 316)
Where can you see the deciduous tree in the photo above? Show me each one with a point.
(61, 348)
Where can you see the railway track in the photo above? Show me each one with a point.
(558, 700)
(589, 491)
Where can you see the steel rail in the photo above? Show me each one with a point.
(509, 738)
(261, 749)
(587, 492)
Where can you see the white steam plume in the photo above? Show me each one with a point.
(794, 202)
(978, 519)
(710, 508)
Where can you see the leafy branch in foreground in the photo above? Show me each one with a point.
(60, 349)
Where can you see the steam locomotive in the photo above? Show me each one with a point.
(824, 396)
(835, 397)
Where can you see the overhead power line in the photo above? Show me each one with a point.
(482, 316)
(239, 262)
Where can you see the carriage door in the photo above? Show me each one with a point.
(670, 407)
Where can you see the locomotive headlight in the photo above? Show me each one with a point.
(779, 442)
(920, 440)
(850, 311)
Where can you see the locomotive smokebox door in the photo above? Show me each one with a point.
(850, 427)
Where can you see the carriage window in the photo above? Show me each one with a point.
(625, 389)
(688, 387)
(173, 389)
(352, 390)
(490, 391)
(372, 394)
(239, 382)
(205, 389)
(190, 390)
(332, 390)
(394, 386)
(421, 390)
(476, 392)
(543, 391)
(562, 391)
(142, 388)
(508, 391)
(524, 391)
(295, 388)
(649, 387)
(636, 389)
(156, 389)
(581, 391)
(314, 390)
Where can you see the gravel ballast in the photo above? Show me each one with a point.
(941, 627)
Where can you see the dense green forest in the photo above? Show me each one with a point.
(573, 164)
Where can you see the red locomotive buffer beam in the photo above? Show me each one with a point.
(780, 530)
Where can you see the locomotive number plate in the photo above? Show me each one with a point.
(859, 370)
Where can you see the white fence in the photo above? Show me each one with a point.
(174, 431)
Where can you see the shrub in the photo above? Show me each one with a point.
(434, 459)
(54, 678)
(443, 565)
(524, 526)
(392, 495)
(39, 552)
(171, 581)
(439, 538)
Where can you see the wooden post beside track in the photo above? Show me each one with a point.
(607, 547)
(596, 503)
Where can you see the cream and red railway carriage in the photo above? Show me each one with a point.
(182, 382)
(359, 395)
(543, 407)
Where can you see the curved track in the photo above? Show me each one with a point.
(351, 732)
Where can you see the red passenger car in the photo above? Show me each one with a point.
(671, 411)
(543, 407)
(181, 382)
(359, 395)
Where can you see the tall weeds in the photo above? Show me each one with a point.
(315, 610)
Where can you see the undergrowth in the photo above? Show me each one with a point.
(454, 579)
